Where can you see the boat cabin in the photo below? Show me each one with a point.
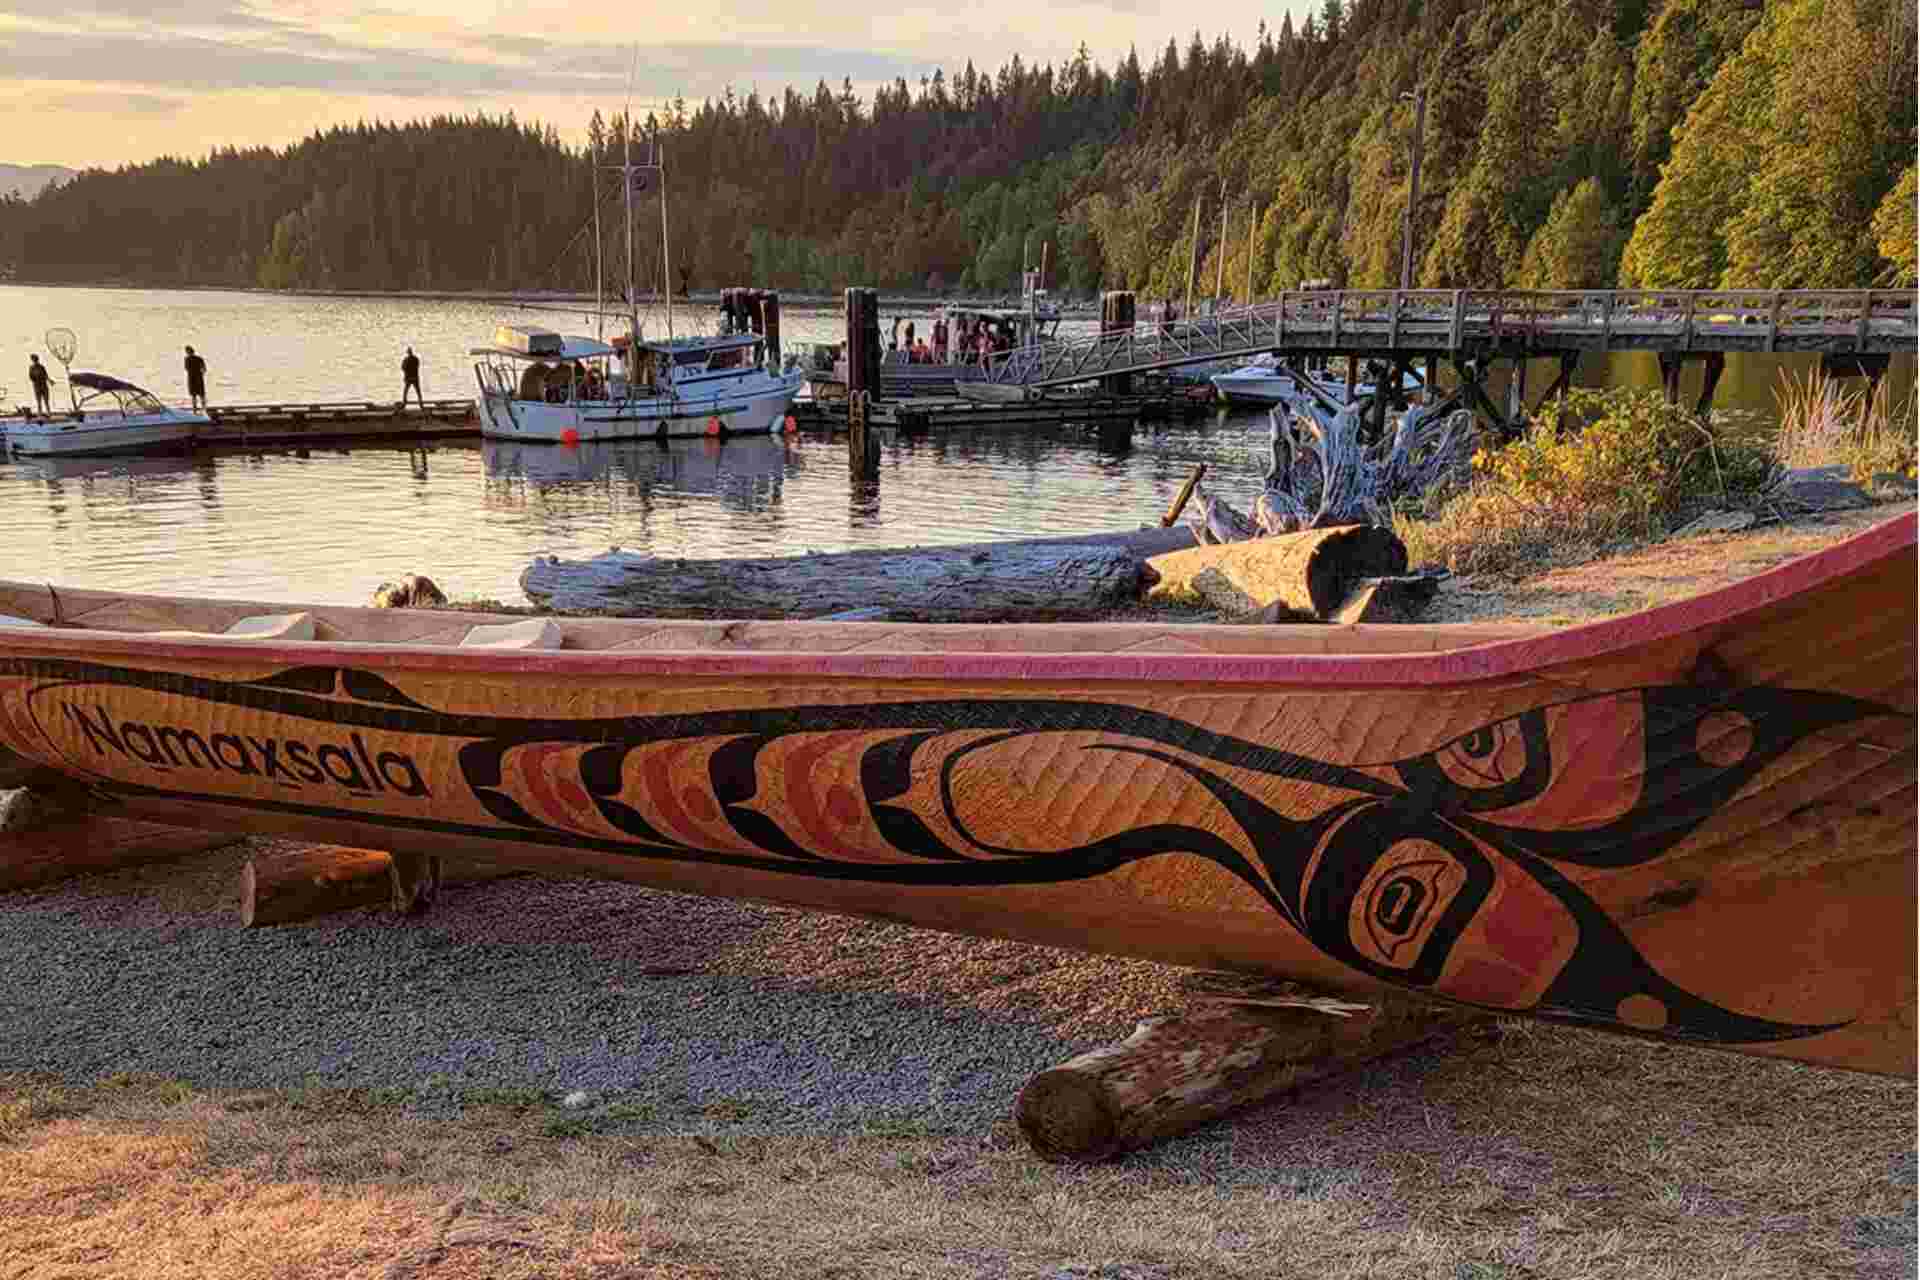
(547, 367)
(689, 362)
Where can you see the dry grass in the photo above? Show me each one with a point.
(1639, 577)
(1510, 1150)
(1823, 422)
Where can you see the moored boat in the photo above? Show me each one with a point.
(108, 416)
(547, 387)
(1694, 823)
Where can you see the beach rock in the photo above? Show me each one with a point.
(1818, 489)
(415, 591)
(1716, 522)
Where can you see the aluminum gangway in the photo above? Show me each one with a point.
(1483, 324)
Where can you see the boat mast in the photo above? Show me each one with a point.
(626, 183)
(599, 274)
(666, 259)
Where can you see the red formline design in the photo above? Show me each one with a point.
(1484, 662)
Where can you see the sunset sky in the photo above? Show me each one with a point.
(114, 81)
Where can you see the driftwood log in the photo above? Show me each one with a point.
(981, 582)
(1178, 1072)
(287, 886)
(1300, 576)
(43, 840)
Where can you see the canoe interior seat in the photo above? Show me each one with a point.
(263, 626)
(534, 633)
(273, 626)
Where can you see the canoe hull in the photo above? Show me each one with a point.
(1696, 823)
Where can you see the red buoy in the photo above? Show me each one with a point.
(792, 426)
(569, 436)
(713, 425)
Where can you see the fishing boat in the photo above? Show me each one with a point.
(1693, 823)
(537, 385)
(541, 386)
(108, 416)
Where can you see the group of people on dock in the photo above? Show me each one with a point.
(976, 342)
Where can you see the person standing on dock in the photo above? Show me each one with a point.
(42, 394)
(940, 340)
(410, 375)
(196, 379)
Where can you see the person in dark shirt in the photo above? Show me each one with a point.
(196, 379)
(410, 372)
(37, 375)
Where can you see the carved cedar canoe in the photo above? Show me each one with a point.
(1695, 822)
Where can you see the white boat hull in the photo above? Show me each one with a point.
(65, 438)
(1267, 387)
(757, 408)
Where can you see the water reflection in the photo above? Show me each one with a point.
(744, 472)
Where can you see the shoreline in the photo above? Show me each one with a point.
(700, 298)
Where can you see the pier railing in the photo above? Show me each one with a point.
(1476, 323)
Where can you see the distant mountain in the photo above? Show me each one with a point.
(28, 179)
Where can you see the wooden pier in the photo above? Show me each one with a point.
(1860, 326)
(336, 422)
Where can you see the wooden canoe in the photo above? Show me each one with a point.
(1695, 822)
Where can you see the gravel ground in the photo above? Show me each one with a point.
(689, 1008)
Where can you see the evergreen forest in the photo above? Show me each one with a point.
(1566, 143)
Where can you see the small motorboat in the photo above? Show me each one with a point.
(108, 416)
(1265, 381)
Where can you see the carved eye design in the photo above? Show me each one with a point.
(1490, 756)
(1495, 766)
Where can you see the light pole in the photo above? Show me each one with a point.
(1419, 97)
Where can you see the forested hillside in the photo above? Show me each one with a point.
(1690, 143)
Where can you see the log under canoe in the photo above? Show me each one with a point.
(1694, 823)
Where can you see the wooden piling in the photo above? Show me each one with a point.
(770, 325)
(1116, 317)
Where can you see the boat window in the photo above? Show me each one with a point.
(688, 358)
(729, 359)
(143, 402)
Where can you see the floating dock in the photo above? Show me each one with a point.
(917, 415)
(336, 422)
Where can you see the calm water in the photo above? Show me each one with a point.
(329, 525)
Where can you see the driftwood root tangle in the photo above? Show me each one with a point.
(1176, 1073)
(415, 591)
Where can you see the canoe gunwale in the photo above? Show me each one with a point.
(1718, 609)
